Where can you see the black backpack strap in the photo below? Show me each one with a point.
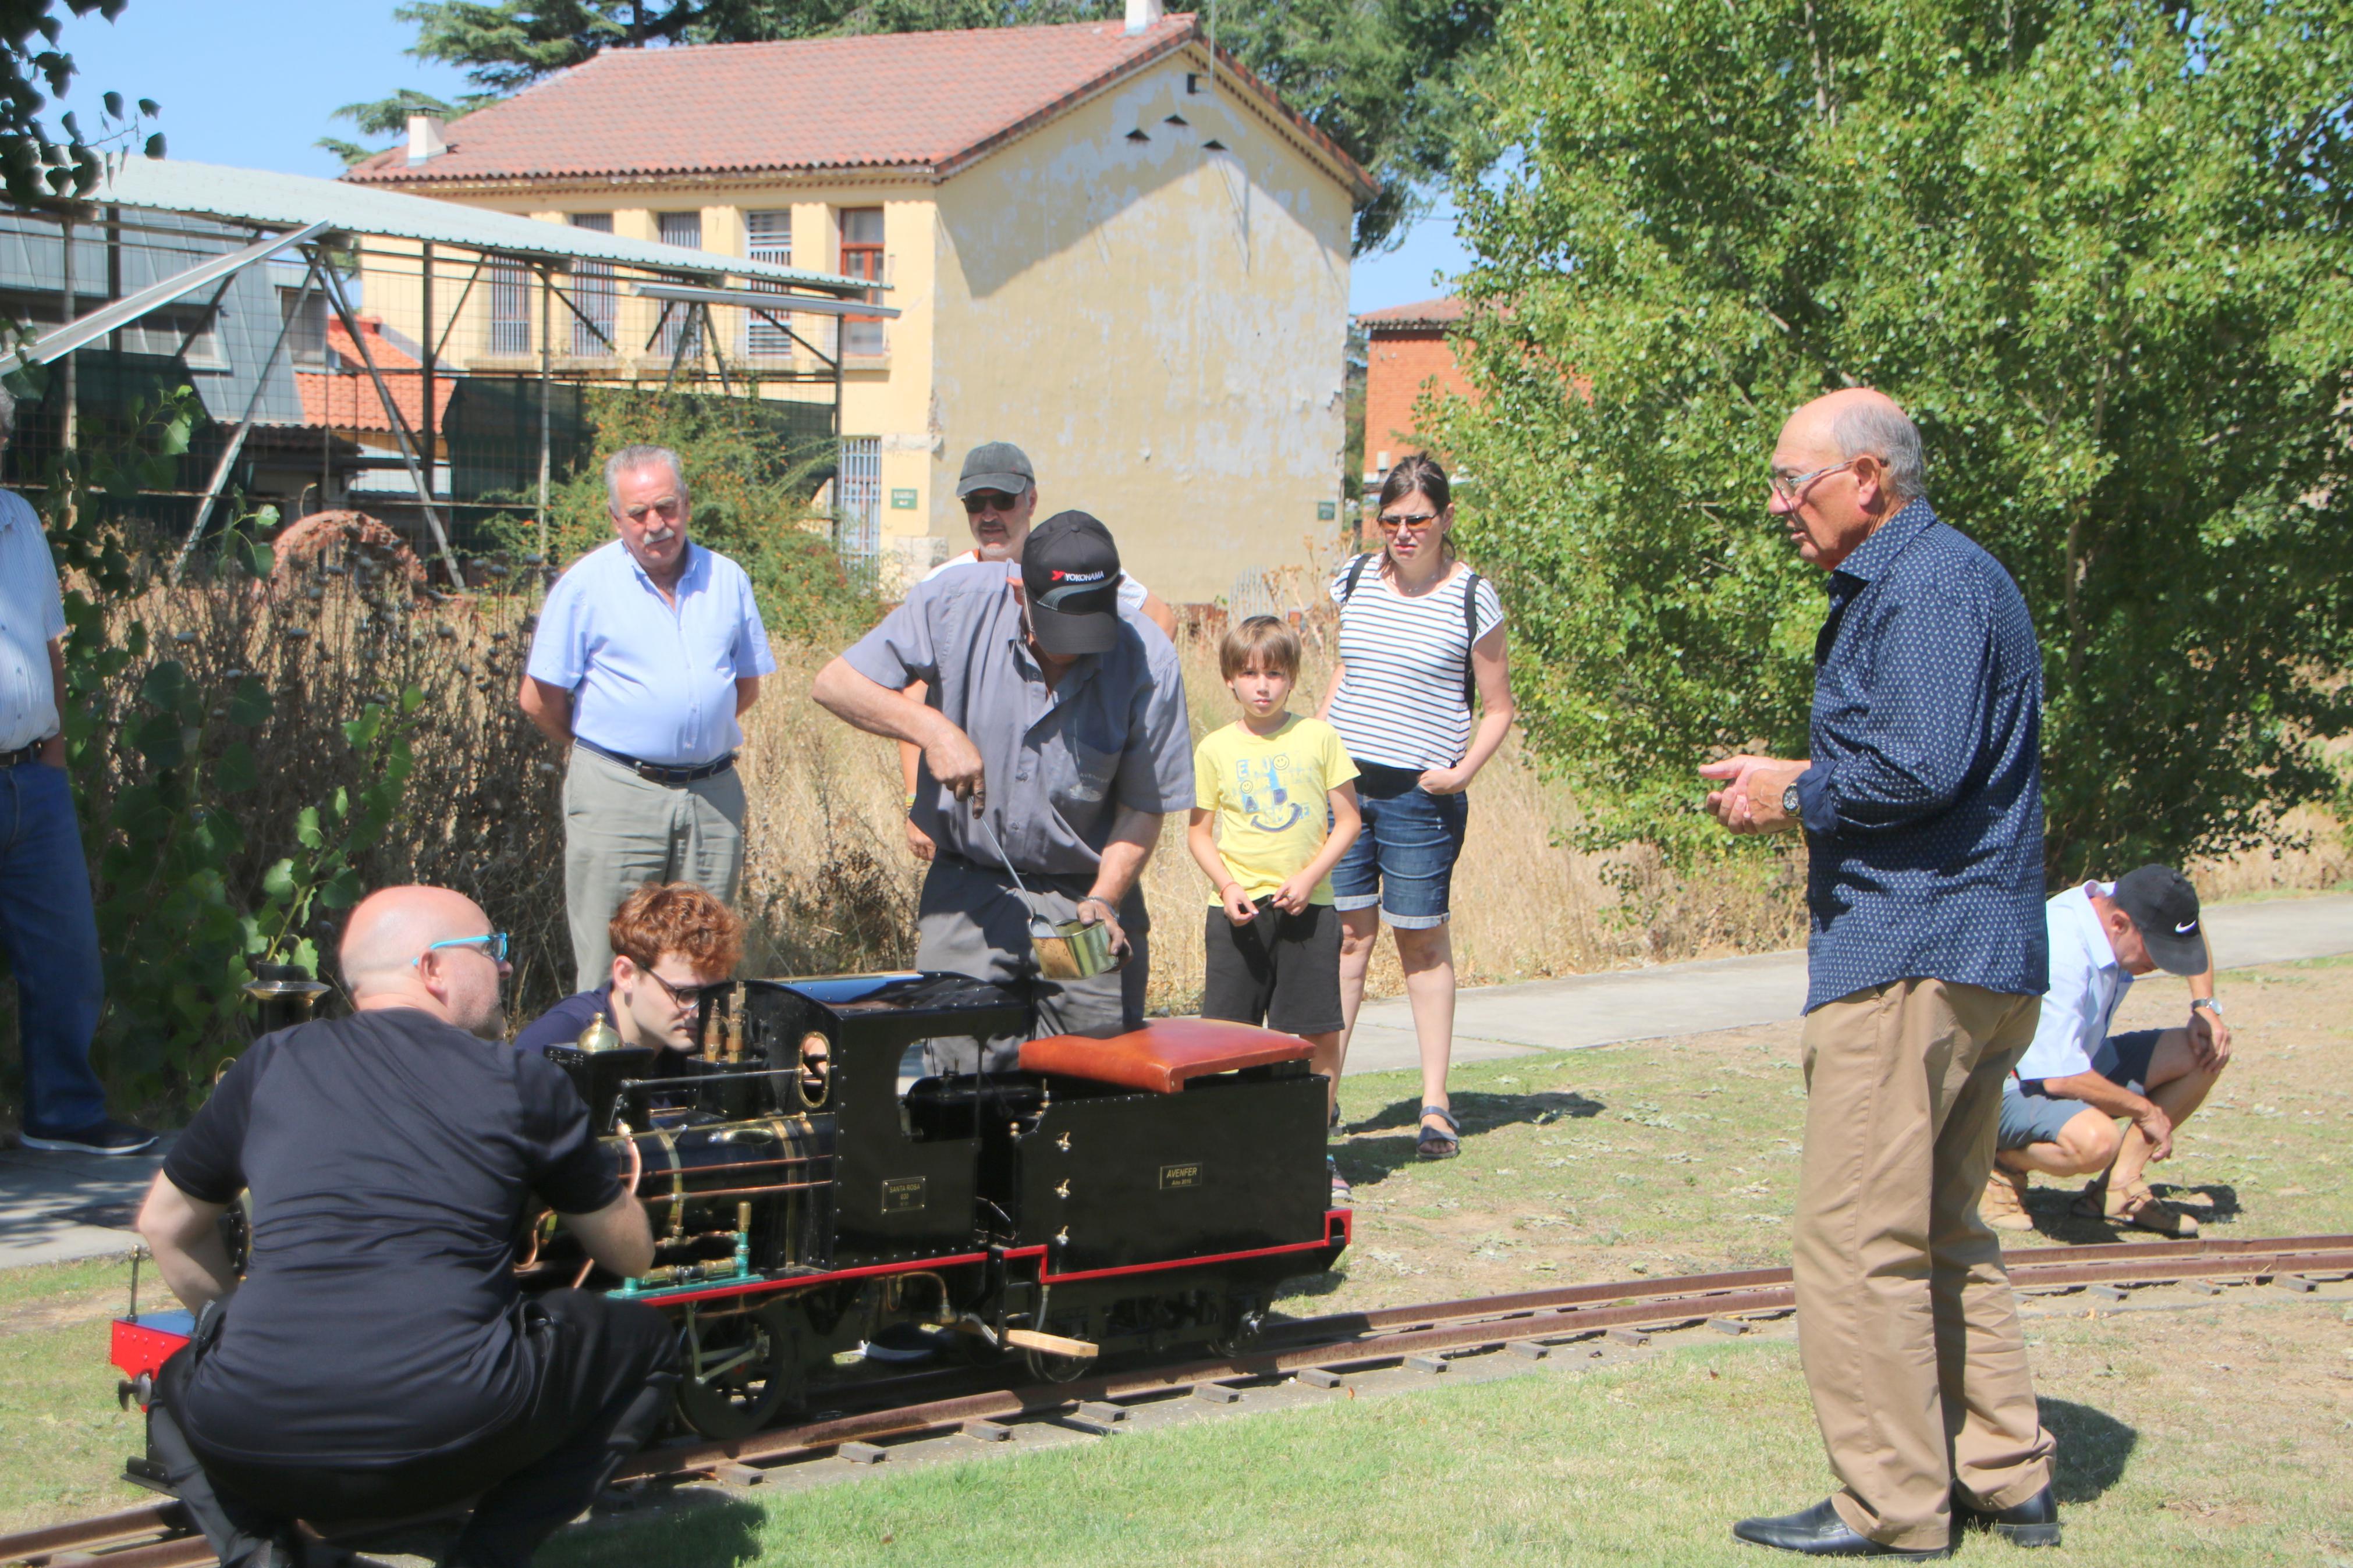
(1471, 638)
(1356, 570)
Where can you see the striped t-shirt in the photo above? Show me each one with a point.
(1401, 704)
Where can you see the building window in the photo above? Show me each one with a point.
(861, 256)
(768, 236)
(510, 308)
(305, 319)
(686, 229)
(593, 296)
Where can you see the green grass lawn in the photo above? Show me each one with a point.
(1641, 1464)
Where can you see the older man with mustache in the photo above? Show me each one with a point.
(648, 652)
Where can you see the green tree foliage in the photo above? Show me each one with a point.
(2099, 250)
(38, 160)
(1384, 78)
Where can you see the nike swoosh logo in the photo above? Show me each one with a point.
(2185, 929)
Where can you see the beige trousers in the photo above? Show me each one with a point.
(622, 832)
(1905, 1322)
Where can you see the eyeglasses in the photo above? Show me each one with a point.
(1416, 521)
(990, 501)
(494, 945)
(683, 996)
(1789, 487)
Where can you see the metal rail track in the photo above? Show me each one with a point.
(157, 1535)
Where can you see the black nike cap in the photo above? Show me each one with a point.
(2164, 906)
(1070, 571)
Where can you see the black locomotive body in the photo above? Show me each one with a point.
(825, 1213)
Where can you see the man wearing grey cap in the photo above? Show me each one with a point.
(1053, 739)
(2061, 1105)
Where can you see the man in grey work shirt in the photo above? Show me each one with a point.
(1055, 728)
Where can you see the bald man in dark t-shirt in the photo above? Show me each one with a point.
(377, 1359)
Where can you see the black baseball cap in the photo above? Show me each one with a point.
(1070, 573)
(997, 466)
(2164, 905)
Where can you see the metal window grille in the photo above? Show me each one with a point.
(510, 308)
(861, 256)
(593, 293)
(680, 229)
(768, 236)
(857, 506)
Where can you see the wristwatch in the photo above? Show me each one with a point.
(1789, 800)
(2207, 1003)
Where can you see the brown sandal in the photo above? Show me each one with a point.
(2137, 1207)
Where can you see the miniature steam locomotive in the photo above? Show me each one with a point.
(822, 1214)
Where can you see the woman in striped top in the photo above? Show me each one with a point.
(1420, 636)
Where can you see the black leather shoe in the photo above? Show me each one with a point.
(2034, 1522)
(1819, 1532)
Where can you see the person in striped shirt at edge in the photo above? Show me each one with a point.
(1421, 638)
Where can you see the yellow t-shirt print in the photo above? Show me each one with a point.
(1259, 781)
(1268, 794)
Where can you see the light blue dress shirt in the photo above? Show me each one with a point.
(2086, 985)
(647, 680)
(32, 613)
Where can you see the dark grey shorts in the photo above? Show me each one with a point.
(1280, 971)
(2031, 1116)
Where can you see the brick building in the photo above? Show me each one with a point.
(1406, 351)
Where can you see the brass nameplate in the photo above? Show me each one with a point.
(1180, 1176)
(903, 1195)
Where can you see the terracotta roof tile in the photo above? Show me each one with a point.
(917, 100)
(1424, 314)
(349, 401)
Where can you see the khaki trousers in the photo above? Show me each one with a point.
(1906, 1325)
(621, 831)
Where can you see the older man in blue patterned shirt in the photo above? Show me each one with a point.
(1922, 806)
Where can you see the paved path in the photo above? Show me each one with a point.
(55, 1207)
(1493, 1021)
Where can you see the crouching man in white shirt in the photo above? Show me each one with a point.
(2061, 1107)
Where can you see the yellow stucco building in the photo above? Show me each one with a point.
(1105, 244)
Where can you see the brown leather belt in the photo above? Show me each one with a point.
(655, 772)
(31, 753)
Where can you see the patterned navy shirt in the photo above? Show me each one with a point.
(1924, 805)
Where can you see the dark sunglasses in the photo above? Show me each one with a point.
(990, 501)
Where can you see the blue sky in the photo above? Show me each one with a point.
(255, 83)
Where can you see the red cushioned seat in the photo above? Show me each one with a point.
(1164, 1055)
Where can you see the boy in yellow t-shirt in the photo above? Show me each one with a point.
(1271, 782)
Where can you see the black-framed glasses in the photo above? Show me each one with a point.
(1417, 521)
(990, 501)
(683, 996)
(494, 945)
(1789, 487)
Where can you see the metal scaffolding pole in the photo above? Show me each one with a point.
(335, 297)
(547, 394)
(244, 427)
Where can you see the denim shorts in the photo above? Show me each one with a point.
(2031, 1116)
(1404, 859)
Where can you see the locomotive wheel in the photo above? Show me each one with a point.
(1239, 1335)
(1047, 1367)
(743, 1371)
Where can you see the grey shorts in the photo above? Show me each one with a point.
(2031, 1116)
